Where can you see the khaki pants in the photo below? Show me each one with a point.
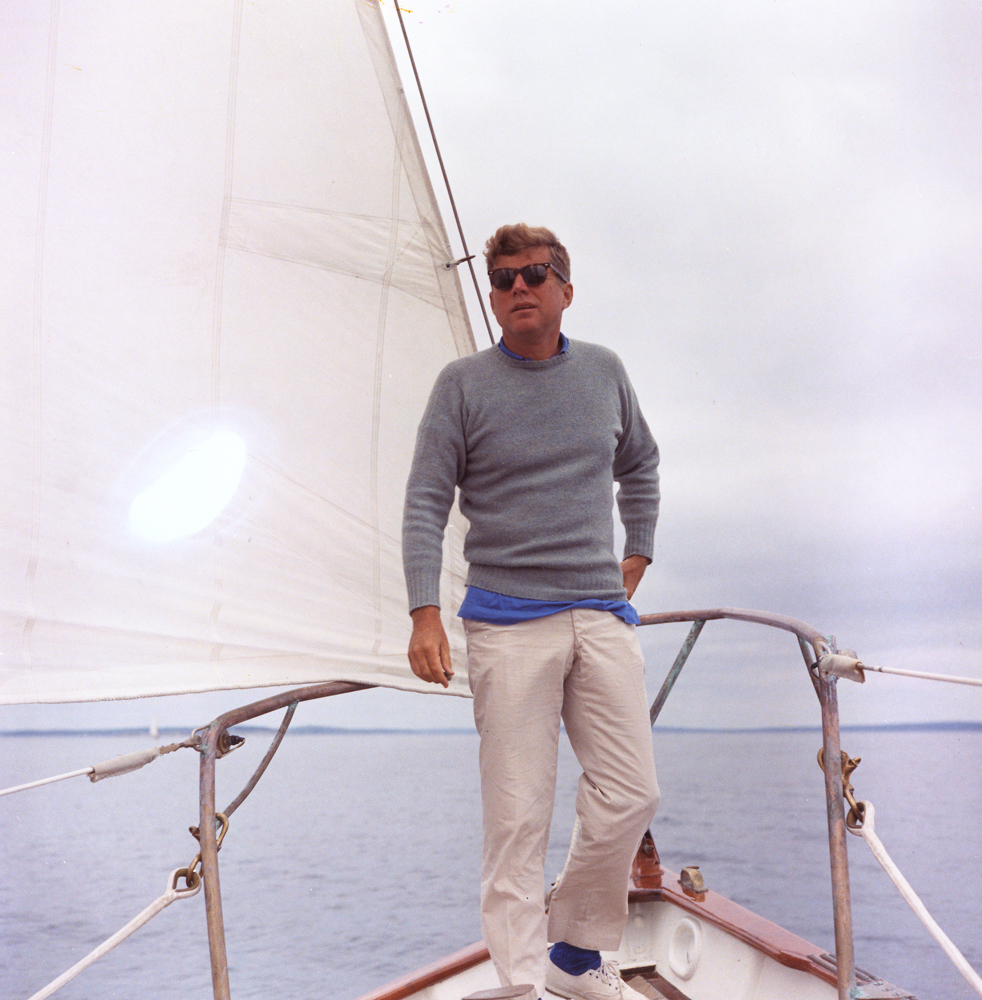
(585, 668)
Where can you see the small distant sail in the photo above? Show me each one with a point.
(225, 301)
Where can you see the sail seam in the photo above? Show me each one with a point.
(38, 322)
(218, 315)
(311, 209)
(391, 258)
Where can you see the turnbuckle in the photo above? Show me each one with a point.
(191, 877)
(857, 811)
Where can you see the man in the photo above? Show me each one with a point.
(534, 432)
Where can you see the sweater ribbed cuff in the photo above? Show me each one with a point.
(640, 541)
(423, 587)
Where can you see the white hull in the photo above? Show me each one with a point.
(692, 952)
(686, 945)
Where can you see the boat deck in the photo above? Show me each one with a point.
(657, 986)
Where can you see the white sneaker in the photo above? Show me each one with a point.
(594, 984)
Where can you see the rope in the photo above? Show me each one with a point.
(109, 768)
(864, 828)
(947, 678)
(123, 933)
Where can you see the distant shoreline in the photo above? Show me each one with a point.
(338, 731)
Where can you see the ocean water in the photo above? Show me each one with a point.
(356, 858)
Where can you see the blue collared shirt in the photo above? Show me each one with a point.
(563, 344)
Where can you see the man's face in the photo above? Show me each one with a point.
(530, 314)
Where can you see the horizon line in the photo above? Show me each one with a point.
(316, 730)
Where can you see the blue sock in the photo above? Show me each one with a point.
(573, 960)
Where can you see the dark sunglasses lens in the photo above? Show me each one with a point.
(532, 274)
(503, 278)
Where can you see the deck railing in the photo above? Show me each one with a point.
(819, 654)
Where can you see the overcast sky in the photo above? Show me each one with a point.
(774, 214)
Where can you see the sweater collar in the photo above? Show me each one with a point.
(563, 344)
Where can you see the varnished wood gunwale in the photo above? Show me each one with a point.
(414, 982)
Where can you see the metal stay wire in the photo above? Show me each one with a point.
(446, 180)
(264, 763)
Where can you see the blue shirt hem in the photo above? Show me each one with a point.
(500, 609)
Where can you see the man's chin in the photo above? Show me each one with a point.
(523, 327)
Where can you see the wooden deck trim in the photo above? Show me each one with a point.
(767, 937)
(466, 958)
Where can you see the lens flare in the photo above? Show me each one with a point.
(189, 496)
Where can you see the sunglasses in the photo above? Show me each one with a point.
(503, 278)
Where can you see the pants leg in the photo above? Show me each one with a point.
(516, 673)
(584, 668)
(606, 715)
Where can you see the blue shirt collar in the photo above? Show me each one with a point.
(563, 344)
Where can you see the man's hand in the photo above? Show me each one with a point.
(633, 568)
(429, 649)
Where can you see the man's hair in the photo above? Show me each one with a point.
(511, 240)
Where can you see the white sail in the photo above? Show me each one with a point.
(224, 303)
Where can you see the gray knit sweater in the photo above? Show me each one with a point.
(535, 447)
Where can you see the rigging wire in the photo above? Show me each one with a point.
(446, 180)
